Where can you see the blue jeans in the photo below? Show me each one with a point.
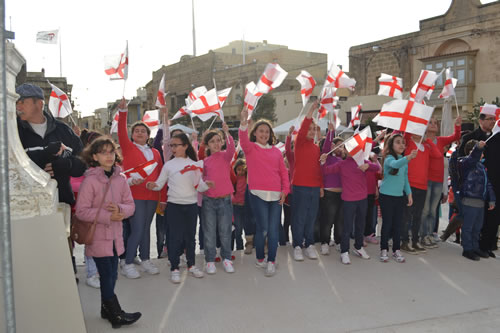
(473, 222)
(140, 225)
(239, 222)
(268, 220)
(200, 228)
(249, 225)
(126, 235)
(392, 216)
(354, 213)
(91, 267)
(217, 217)
(108, 272)
(305, 204)
(432, 198)
(182, 224)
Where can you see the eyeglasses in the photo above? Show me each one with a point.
(175, 145)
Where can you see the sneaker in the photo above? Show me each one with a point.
(417, 247)
(325, 249)
(137, 261)
(344, 257)
(433, 243)
(426, 242)
(94, 281)
(211, 268)
(297, 254)
(122, 263)
(164, 252)
(182, 260)
(228, 266)
(398, 256)
(130, 271)
(261, 264)
(311, 252)
(383, 256)
(337, 247)
(149, 267)
(435, 237)
(175, 276)
(406, 247)
(361, 253)
(194, 271)
(270, 269)
(470, 255)
(371, 239)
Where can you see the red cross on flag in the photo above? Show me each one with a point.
(59, 104)
(114, 123)
(359, 146)
(151, 118)
(449, 85)
(405, 116)
(490, 109)
(141, 171)
(116, 66)
(181, 113)
(451, 150)
(252, 97)
(391, 86)
(206, 106)
(160, 97)
(271, 79)
(337, 78)
(356, 116)
(424, 86)
(328, 101)
(193, 95)
(222, 95)
(307, 85)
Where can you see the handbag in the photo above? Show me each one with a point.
(82, 232)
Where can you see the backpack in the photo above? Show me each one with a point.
(456, 172)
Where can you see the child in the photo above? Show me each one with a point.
(216, 207)
(268, 186)
(117, 204)
(392, 200)
(183, 174)
(476, 190)
(240, 169)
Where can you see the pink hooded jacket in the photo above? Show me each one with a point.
(90, 196)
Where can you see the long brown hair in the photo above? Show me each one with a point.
(389, 150)
(97, 146)
(272, 137)
(190, 152)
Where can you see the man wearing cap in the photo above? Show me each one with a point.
(50, 143)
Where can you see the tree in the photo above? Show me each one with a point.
(473, 116)
(265, 109)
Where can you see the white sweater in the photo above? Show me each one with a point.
(183, 184)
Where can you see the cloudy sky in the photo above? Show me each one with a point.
(160, 32)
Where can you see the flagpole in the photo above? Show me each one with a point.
(456, 105)
(60, 53)
(491, 137)
(192, 122)
(213, 121)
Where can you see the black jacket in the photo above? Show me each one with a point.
(63, 166)
(477, 134)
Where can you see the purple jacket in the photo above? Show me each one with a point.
(90, 196)
(330, 180)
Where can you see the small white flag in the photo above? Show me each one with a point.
(160, 98)
(59, 104)
(47, 37)
(116, 66)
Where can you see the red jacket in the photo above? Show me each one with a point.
(436, 164)
(307, 169)
(418, 168)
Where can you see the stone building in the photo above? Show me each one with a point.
(465, 38)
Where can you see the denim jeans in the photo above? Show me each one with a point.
(217, 218)
(161, 232)
(305, 204)
(473, 222)
(239, 221)
(200, 228)
(182, 231)
(268, 219)
(287, 220)
(249, 225)
(91, 267)
(140, 225)
(432, 198)
(413, 215)
(331, 215)
(354, 213)
(108, 272)
(392, 215)
(369, 230)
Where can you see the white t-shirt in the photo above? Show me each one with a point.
(40, 129)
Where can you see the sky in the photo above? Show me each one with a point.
(160, 32)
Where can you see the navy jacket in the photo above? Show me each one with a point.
(475, 184)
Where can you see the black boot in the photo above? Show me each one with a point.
(454, 224)
(112, 311)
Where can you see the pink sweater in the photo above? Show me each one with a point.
(216, 168)
(266, 168)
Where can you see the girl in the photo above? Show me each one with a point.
(392, 200)
(216, 207)
(105, 186)
(268, 186)
(146, 163)
(238, 199)
(184, 176)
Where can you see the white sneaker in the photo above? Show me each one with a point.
(94, 281)
(261, 264)
(228, 266)
(332, 243)
(194, 271)
(270, 269)
(297, 254)
(311, 252)
(361, 253)
(175, 276)
(137, 261)
(211, 268)
(149, 267)
(130, 271)
(122, 263)
(325, 249)
(383, 256)
(344, 257)
(398, 256)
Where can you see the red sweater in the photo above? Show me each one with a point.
(307, 169)
(133, 157)
(436, 164)
(418, 168)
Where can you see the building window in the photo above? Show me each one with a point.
(462, 68)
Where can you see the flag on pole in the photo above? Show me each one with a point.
(116, 66)
(449, 85)
(271, 79)
(424, 84)
(114, 123)
(328, 101)
(451, 150)
(496, 128)
(359, 145)
(207, 106)
(355, 114)
(222, 95)
(194, 94)
(307, 85)
(160, 98)
(251, 98)
(391, 86)
(405, 116)
(183, 111)
(150, 118)
(337, 78)
(47, 37)
(59, 104)
(490, 109)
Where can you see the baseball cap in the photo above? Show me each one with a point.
(27, 90)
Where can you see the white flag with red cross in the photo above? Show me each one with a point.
(114, 123)
(424, 86)
(359, 145)
(116, 66)
(222, 95)
(193, 95)
(451, 150)
(206, 106)
(328, 100)
(183, 111)
(496, 128)
(150, 118)
(338, 79)
(356, 116)
(271, 79)
(490, 109)
(307, 85)
(391, 86)
(449, 85)
(141, 171)
(59, 104)
(160, 97)
(405, 116)
(251, 98)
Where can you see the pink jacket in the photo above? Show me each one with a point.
(90, 196)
